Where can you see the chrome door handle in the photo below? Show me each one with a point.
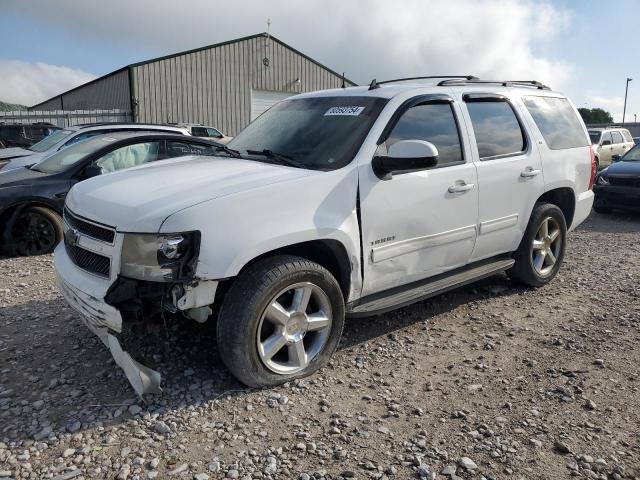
(461, 187)
(530, 172)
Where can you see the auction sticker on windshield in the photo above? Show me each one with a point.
(355, 111)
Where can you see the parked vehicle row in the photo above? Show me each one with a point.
(32, 199)
(610, 141)
(352, 201)
(24, 135)
(618, 186)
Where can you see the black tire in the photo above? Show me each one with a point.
(524, 271)
(35, 231)
(246, 302)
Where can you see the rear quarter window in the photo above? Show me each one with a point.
(627, 135)
(557, 121)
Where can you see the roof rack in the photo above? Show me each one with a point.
(504, 83)
(375, 84)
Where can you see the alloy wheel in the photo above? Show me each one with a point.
(546, 246)
(294, 328)
(33, 234)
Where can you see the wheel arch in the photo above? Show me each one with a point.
(8, 214)
(564, 198)
(329, 253)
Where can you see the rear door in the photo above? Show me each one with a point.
(509, 171)
(619, 147)
(606, 149)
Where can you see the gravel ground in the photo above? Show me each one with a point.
(491, 381)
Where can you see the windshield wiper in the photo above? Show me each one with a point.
(233, 153)
(281, 157)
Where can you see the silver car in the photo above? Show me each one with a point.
(11, 158)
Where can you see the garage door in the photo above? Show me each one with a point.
(261, 100)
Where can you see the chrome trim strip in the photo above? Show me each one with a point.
(496, 224)
(391, 250)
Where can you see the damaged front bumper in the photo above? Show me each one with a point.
(85, 293)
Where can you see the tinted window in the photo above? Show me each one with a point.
(617, 138)
(606, 137)
(213, 132)
(496, 128)
(199, 132)
(594, 136)
(129, 156)
(433, 123)
(557, 121)
(632, 155)
(180, 149)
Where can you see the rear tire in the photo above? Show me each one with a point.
(35, 231)
(542, 248)
(281, 319)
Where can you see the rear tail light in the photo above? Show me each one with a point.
(594, 169)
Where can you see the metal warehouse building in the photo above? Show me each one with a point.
(224, 85)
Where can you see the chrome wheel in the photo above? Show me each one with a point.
(294, 328)
(546, 246)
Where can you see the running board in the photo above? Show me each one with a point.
(406, 295)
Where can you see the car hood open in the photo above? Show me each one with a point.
(141, 198)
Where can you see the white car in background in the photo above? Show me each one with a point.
(610, 141)
(11, 158)
(203, 131)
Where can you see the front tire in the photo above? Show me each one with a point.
(281, 319)
(542, 248)
(35, 231)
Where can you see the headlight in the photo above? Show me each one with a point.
(159, 257)
(602, 180)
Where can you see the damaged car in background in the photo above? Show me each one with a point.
(329, 204)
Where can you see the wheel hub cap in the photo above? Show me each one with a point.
(294, 328)
(546, 246)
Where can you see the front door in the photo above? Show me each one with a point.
(509, 172)
(606, 149)
(419, 224)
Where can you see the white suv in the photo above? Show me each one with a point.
(336, 203)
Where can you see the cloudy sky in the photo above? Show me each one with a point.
(585, 48)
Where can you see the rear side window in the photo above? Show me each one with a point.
(626, 135)
(432, 122)
(558, 122)
(606, 138)
(497, 130)
(617, 138)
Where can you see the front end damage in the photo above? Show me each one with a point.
(124, 311)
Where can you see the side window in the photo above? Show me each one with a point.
(626, 135)
(128, 156)
(84, 136)
(557, 121)
(432, 122)
(496, 128)
(180, 149)
(606, 139)
(616, 137)
(214, 133)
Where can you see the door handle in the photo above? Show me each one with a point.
(461, 186)
(530, 172)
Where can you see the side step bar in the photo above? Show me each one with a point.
(402, 296)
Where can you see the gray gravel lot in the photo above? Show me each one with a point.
(491, 381)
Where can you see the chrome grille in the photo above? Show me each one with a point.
(104, 234)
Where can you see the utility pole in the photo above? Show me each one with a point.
(626, 90)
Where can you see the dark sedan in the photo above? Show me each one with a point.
(32, 198)
(618, 185)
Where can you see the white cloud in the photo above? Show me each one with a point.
(364, 38)
(30, 83)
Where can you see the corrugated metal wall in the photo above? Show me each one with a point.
(213, 86)
(110, 92)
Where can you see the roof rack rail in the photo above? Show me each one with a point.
(504, 83)
(375, 84)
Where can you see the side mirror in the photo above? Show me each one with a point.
(406, 156)
(89, 171)
(606, 142)
(615, 158)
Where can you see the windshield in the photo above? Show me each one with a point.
(320, 133)
(632, 155)
(595, 137)
(47, 142)
(72, 155)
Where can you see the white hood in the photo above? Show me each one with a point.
(141, 198)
